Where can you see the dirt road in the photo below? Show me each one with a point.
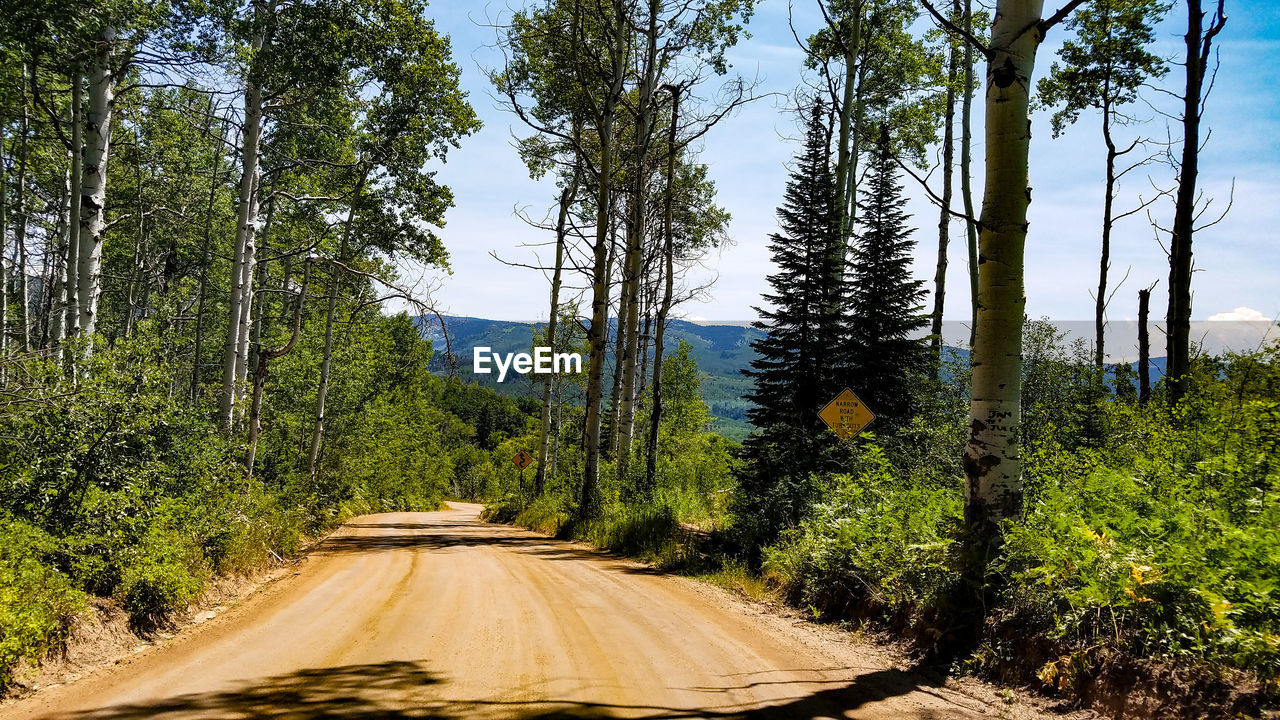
(438, 615)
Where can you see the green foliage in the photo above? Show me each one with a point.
(1106, 63)
(1150, 530)
(885, 302)
(877, 542)
(117, 487)
(799, 365)
(165, 573)
(37, 602)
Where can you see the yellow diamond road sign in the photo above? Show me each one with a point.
(846, 415)
(522, 460)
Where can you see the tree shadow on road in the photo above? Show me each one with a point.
(409, 691)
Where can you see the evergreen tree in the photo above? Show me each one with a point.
(886, 304)
(798, 367)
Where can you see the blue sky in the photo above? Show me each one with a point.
(1238, 261)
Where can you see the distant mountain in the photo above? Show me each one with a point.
(722, 352)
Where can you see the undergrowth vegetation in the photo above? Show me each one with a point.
(119, 487)
(1149, 531)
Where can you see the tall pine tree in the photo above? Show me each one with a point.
(886, 304)
(799, 366)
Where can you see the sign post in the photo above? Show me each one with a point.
(846, 415)
(522, 460)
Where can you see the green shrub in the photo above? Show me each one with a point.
(648, 532)
(166, 573)
(876, 542)
(37, 603)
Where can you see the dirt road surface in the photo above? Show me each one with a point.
(438, 615)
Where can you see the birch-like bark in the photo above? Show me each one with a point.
(635, 249)
(206, 259)
(992, 458)
(93, 184)
(246, 226)
(844, 149)
(4, 264)
(20, 217)
(58, 306)
(620, 333)
(71, 327)
(566, 202)
(248, 265)
(596, 335)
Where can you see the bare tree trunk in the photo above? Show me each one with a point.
(599, 277)
(635, 245)
(1104, 262)
(246, 222)
(844, 142)
(20, 216)
(206, 260)
(664, 307)
(1144, 346)
(619, 338)
(326, 363)
(566, 202)
(93, 185)
(4, 263)
(944, 215)
(260, 373)
(966, 174)
(135, 269)
(247, 275)
(1199, 42)
(72, 324)
(56, 322)
(992, 459)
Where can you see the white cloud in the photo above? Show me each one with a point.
(1240, 314)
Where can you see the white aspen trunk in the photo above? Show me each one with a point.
(992, 459)
(248, 265)
(206, 259)
(58, 305)
(246, 225)
(620, 334)
(4, 264)
(93, 184)
(844, 149)
(71, 326)
(20, 218)
(599, 276)
(635, 248)
(322, 388)
(566, 202)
